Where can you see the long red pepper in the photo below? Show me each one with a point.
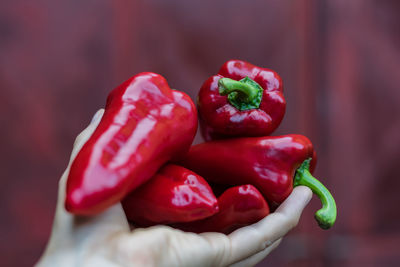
(269, 163)
(145, 124)
(174, 194)
(241, 100)
(239, 206)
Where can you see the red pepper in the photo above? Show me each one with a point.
(174, 194)
(241, 100)
(137, 134)
(269, 163)
(239, 206)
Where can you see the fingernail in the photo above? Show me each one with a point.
(309, 196)
(305, 193)
(97, 116)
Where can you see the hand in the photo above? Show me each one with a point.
(107, 240)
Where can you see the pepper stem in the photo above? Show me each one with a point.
(244, 94)
(326, 216)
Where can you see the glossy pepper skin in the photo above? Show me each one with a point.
(136, 136)
(239, 206)
(174, 194)
(271, 164)
(241, 100)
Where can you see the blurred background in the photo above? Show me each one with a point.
(339, 60)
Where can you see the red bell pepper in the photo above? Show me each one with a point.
(136, 136)
(174, 194)
(239, 206)
(241, 100)
(269, 163)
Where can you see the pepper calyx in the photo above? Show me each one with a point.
(245, 94)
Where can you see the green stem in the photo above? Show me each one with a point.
(326, 216)
(244, 94)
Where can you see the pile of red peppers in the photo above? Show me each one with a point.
(141, 155)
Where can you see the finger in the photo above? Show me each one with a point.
(209, 249)
(69, 230)
(256, 258)
(165, 246)
(112, 218)
(254, 238)
(81, 139)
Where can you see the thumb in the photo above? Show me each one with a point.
(67, 226)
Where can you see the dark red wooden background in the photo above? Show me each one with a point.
(339, 59)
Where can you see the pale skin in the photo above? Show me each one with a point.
(107, 239)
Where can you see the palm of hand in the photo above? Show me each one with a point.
(107, 240)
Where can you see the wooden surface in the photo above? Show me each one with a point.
(339, 60)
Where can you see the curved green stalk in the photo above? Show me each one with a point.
(326, 216)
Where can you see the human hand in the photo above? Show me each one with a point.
(107, 240)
